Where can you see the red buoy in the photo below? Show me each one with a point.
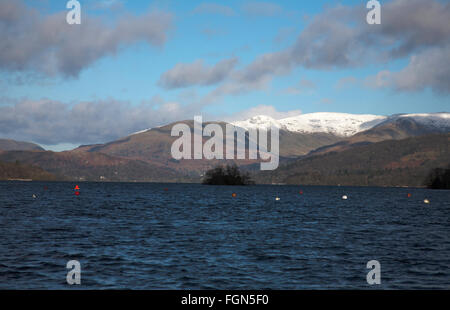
(409, 195)
(77, 187)
(77, 193)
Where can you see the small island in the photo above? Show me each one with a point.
(439, 178)
(229, 175)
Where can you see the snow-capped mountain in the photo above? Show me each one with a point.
(340, 124)
(438, 121)
(259, 122)
(140, 131)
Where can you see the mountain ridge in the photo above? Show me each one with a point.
(405, 162)
(146, 155)
(13, 145)
(340, 124)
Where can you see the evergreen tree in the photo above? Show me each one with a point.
(439, 178)
(229, 175)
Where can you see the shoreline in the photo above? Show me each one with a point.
(199, 183)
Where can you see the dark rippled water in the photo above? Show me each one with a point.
(142, 236)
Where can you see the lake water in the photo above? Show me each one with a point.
(182, 236)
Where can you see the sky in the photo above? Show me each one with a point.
(132, 65)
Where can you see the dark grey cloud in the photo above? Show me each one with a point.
(197, 73)
(329, 41)
(415, 24)
(255, 76)
(427, 69)
(340, 38)
(31, 41)
(51, 122)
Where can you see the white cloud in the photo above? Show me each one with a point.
(52, 122)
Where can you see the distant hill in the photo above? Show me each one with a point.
(154, 146)
(404, 162)
(146, 155)
(396, 128)
(307, 133)
(343, 124)
(93, 166)
(12, 145)
(16, 171)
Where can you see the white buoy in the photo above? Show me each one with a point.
(426, 201)
(278, 198)
(344, 197)
(34, 196)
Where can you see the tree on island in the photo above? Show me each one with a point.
(229, 175)
(438, 178)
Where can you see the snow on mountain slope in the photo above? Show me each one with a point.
(259, 122)
(341, 124)
(433, 120)
(140, 131)
(338, 124)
